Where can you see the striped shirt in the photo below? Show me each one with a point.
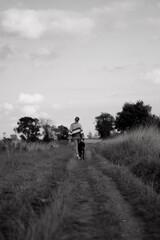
(76, 130)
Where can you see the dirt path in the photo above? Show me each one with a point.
(98, 210)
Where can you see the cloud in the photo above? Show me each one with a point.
(8, 106)
(112, 94)
(30, 110)
(25, 98)
(23, 22)
(41, 63)
(33, 111)
(43, 53)
(117, 6)
(34, 24)
(113, 68)
(2, 68)
(44, 115)
(152, 77)
(115, 15)
(68, 104)
(57, 106)
(6, 51)
(31, 105)
(42, 57)
(153, 21)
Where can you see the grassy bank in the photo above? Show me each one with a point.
(29, 178)
(139, 150)
(143, 200)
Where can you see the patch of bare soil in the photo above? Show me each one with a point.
(98, 210)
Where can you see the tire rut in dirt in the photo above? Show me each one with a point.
(85, 220)
(132, 227)
(98, 211)
(125, 225)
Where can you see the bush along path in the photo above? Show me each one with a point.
(87, 205)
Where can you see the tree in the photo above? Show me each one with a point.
(48, 129)
(90, 136)
(132, 115)
(62, 132)
(13, 137)
(154, 121)
(29, 128)
(104, 124)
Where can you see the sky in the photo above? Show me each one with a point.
(65, 58)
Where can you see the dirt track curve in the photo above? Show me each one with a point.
(98, 210)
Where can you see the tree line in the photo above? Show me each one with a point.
(131, 116)
(34, 129)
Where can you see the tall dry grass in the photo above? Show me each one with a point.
(139, 150)
(49, 225)
(144, 201)
(29, 177)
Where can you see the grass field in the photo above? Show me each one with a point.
(139, 150)
(45, 193)
(28, 181)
